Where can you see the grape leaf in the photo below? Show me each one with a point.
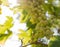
(25, 35)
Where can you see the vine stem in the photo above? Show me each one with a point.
(34, 43)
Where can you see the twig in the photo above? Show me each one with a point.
(35, 43)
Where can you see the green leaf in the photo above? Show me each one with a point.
(30, 25)
(54, 41)
(25, 36)
(4, 37)
(7, 25)
(24, 16)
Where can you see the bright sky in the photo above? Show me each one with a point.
(12, 41)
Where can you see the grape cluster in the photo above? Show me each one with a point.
(37, 16)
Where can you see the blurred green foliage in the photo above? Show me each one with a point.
(54, 41)
(5, 27)
(38, 24)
